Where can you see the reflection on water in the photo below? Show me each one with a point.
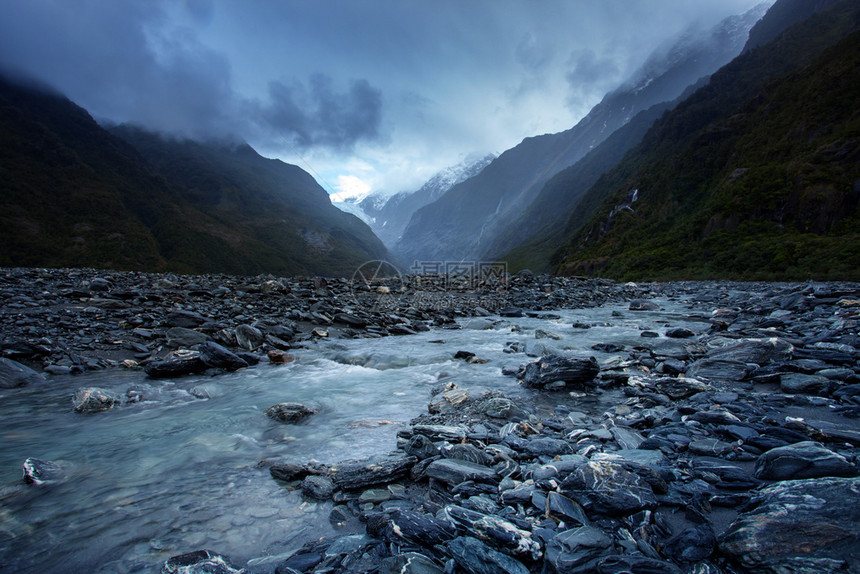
(178, 470)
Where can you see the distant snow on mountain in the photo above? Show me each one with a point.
(388, 214)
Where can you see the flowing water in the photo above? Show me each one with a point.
(178, 470)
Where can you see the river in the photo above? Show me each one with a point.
(179, 470)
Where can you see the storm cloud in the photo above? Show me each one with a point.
(382, 92)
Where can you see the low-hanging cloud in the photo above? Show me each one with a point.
(318, 115)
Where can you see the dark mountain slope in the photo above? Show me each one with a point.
(273, 213)
(73, 194)
(70, 193)
(754, 176)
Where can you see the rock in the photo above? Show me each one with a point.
(564, 509)
(680, 388)
(801, 526)
(548, 447)
(607, 488)
(199, 562)
(216, 356)
(14, 374)
(638, 564)
(802, 460)
(553, 369)
(409, 563)
(289, 413)
(577, 550)
(354, 475)
(421, 447)
(176, 364)
(511, 311)
(182, 337)
(37, 471)
(544, 334)
(804, 384)
(495, 531)
(249, 337)
(278, 357)
(693, 544)
(469, 453)
(288, 470)
(643, 305)
(717, 369)
(475, 557)
(318, 487)
(94, 400)
(680, 333)
(453, 472)
(417, 528)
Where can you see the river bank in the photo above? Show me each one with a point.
(709, 409)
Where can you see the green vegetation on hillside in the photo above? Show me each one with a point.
(756, 176)
(74, 195)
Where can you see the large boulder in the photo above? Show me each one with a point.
(14, 374)
(556, 372)
(799, 526)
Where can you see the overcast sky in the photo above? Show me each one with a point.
(364, 94)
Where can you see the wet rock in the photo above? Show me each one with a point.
(14, 374)
(544, 334)
(288, 470)
(453, 472)
(421, 447)
(214, 355)
(639, 564)
(680, 388)
(548, 447)
(318, 487)
(185, 338)
(475, 557)
(469, 453)
(718, 369)
(278, 357)
(692, 544)
(248, 337)
(94, 400)
(289, 413)
(176, 364)
(199, 562)
(607, 488)
(37, 471)
(550, 370)
(643, 305)
(418, 528)
(802, 460)
(680, 333)
(354, 475)
(409, 563)
(802, 526)
(495, 531)
(804, 384)
(577, 550)
(564, 509)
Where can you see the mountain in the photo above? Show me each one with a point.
(469, 220)
(754, 176)
(388, 216)
(74, 194)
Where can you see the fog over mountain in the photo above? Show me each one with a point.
(370, 95)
